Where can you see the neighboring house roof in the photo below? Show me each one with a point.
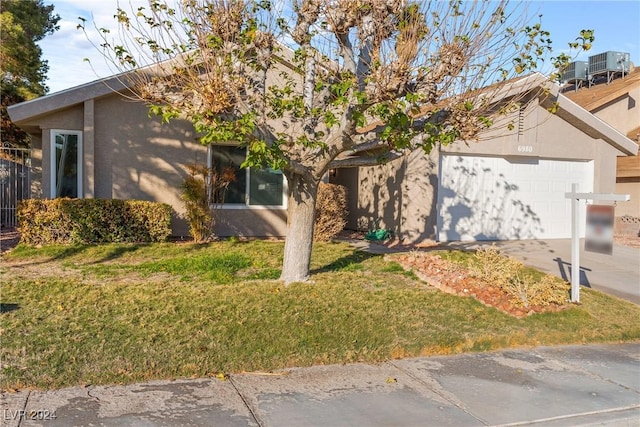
(582, 119)
(596, 96)
(592, 125)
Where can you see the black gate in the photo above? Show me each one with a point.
(15, 182)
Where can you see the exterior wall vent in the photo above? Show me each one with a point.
(609, 64)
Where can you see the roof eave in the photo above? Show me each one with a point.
(595, 127)
(51, 103)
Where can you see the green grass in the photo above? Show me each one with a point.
(126, 313)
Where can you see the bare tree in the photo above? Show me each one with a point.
(311, 85)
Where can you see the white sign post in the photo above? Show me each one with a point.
(575, 230)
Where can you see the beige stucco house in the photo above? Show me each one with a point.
(618, 104)
(94, 141)
(510, 185)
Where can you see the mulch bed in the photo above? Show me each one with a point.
(457, 280)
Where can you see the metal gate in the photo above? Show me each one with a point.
(15, 182)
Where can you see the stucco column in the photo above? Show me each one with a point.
(46, 163)
(88, 138)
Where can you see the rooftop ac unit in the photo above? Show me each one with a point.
(575, 71)
(608, 62)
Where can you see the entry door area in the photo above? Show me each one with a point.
(494, 198)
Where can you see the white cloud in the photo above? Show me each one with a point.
(66, 49)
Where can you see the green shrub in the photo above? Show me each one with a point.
(510, 275)
(66, 221)
(331, 212)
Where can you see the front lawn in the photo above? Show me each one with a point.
(128, 313)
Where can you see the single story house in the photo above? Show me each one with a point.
(97, 141)
(510, 185)
(94, 141)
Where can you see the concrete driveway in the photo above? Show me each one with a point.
(617, 274)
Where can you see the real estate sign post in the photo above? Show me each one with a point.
(575, 229)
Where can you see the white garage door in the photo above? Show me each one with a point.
(492, 198)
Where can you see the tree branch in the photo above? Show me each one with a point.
(371, 141)
(346, 51)
(364, 59)
(298, 168)
(351, 162)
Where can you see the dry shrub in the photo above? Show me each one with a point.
(199, 192)
(331, 212)
(86, 221)
(510, 275)
(548, 290)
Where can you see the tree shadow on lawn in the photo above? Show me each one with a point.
(109, 254)
(75, 250)
(356, 257)
(7, 307)
(117, 252)
(125, 248)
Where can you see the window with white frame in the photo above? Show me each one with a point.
(66, 163)
(257, 187)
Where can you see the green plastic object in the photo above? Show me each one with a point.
(378, 235)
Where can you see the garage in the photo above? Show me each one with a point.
(508, 184)
(507, 198)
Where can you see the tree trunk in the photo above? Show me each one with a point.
(301, 210)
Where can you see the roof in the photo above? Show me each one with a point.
(597, 96)
(595, 127)
(594, 97)
(66, 98)
(569, 110)
(634, 134)
(122, 82)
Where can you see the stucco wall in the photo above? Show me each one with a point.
(632, 207)
(251, 222)
(622, 113)
(399, 196)
(139, 157)
(129, 155)
(68, 119)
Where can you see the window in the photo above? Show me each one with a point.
(66, 163)
(252, 187)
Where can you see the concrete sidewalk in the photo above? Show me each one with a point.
(546, 386)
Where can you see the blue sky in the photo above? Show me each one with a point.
(616, 25)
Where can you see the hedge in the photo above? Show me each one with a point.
(68, 221)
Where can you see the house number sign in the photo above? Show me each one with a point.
(525, 148)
